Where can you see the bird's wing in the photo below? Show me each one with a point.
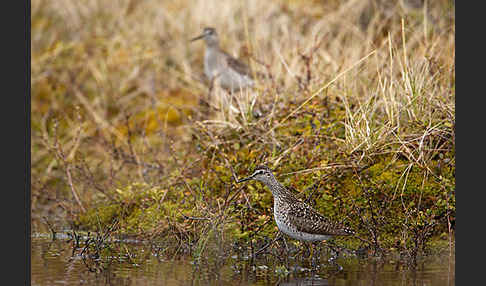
(238, 66)
(308, 220)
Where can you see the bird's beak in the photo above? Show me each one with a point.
(245, 179)
(197, 38)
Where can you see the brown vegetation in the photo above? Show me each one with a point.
(354, 108)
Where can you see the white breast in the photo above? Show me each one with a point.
(292, 231)
(211, 67)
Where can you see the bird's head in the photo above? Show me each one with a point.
(261, 173)
(209, 35)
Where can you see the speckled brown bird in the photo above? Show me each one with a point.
(294, 217)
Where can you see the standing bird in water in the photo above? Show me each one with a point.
(294, 217)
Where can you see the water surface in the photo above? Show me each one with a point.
(54, 263)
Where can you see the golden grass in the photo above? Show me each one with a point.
(116, 70)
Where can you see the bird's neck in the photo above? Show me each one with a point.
(212, 50)
(212, 44)
(278, 190)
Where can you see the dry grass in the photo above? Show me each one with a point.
(117, 88)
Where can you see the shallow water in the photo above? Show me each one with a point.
(53, 263)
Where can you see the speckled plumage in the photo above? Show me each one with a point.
(294, 217)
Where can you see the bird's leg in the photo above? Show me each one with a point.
(285, 243)
(230, 98)
(315, 255)
(334, 254)
(334, 249)
(286, 251)
(268, 245)
(318, 256)
(312, 258)
(211, 91)
(307, 252)
(211, 87)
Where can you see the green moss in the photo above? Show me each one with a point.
(390, 197)
(98, 217)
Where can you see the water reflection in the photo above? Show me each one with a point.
(54, 262)
(307, 281)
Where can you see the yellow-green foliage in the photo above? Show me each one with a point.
(99, 217)
(359, 113)
(139, 207)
